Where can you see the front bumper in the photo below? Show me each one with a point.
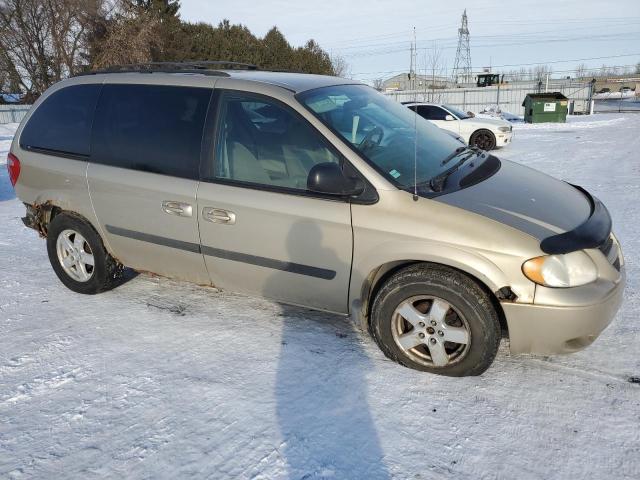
(554, 329)
(503, 138)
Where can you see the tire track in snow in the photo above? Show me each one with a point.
(593, 374)
(39, 386)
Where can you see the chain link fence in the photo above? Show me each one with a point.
(13, 113)
(507, 97)
(629, 104)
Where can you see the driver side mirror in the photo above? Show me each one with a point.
(329, 179)
(449, 118)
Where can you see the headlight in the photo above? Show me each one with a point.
(568, 270)
(504, 129)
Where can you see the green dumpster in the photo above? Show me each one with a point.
(545, 107)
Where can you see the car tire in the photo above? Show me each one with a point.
(411, 309)
(78, 256)
(483, 139)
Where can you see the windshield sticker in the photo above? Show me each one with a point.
(395, 173)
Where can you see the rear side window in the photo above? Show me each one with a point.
(153, 128)
(431, 113)
(62, 123)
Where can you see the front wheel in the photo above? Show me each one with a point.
(483, 139)
(432, 318)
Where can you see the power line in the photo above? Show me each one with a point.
(539, 34)
(564, 61)
(450, 46)
(620, 21)
(553, 62)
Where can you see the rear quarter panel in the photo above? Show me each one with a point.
(47, 179)
(51, 179)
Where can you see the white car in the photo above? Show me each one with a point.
(484, 133)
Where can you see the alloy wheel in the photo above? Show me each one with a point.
(484, 141)
(431, 331)
(75, 255)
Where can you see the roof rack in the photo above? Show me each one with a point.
(201, 67)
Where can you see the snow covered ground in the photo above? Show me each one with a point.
(159, 379)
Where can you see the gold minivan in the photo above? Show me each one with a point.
(315, 191)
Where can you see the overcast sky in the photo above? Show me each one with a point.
(374, 35)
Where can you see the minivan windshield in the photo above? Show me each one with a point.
(383, 131)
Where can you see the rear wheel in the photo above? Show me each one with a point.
(435, 319)
(78, 256)
(483, 139)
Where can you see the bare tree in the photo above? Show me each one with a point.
(523, 74)
(340, 66)
(435, 67)
(4, 77)
(581, 71)
(517, 75)
(42, 41)
(540, 72)
(604, 70)
(378, 84)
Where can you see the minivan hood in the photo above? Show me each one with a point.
(525, 199)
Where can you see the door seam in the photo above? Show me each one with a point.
(352, 253)
(204, 260)
(95, 214)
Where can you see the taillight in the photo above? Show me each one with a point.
(13, 165)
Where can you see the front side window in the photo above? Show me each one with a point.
(260, 141)
(384, 132)
(62, 123)
(152, 128)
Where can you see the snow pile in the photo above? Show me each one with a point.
(6, 136)
(614, 95)
(161, 379)
(496, 112)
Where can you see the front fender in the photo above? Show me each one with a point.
(487, 267)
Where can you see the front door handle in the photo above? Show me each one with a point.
(218, 215)
(180, 209)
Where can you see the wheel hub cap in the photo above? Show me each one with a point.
(75, 255)
(430, 331)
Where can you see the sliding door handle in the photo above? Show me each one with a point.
(177, 208)
(218, 215)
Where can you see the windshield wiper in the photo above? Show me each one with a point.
(437, 183)
(457, 152)
(453, 155)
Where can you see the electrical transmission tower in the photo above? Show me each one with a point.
(462, 67)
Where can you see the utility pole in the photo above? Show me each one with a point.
(462, 65)
(546, 87)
